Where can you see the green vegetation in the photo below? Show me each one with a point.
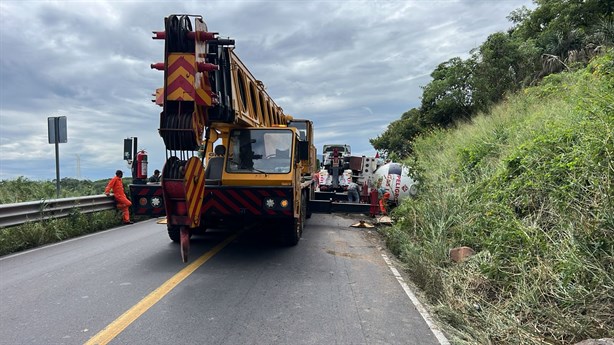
(558, 35)
(22, 189)
(35, 234)
(530, 187)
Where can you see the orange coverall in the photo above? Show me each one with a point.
(383, 202)
(118, 192)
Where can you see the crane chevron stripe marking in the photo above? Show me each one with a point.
(121, 323)
(180, 73)
(179, 95)
(226, 201)
(181, 84)
(217, 207)
(181, 60)
(181, 69)
(244, 202)
(203, 98)
(256, 200)
(194, 184)
(190, 190)
(196, 204)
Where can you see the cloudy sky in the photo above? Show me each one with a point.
(350, 66)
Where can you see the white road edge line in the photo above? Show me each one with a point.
(425, 315)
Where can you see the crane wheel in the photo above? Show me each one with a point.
(292, 230)
(173, 233)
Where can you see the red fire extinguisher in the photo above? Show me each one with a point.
(141, 164)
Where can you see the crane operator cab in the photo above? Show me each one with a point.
(264, 151)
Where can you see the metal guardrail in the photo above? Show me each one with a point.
(33, 211)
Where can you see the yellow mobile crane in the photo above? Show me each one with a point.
(257, 161)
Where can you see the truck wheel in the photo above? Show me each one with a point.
(173, 233)
(291, 232)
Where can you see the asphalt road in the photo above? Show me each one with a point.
(334, 287)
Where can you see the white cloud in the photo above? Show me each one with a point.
(350, 66)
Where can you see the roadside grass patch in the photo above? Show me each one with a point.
(35, 234)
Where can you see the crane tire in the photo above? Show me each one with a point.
(173, 233)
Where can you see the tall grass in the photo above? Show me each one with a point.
(530, 187)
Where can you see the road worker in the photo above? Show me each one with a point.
(383, 204)
(117, 186)
(155, 177)
(353, 195)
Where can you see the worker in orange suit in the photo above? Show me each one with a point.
(383, 203)
(117, 186)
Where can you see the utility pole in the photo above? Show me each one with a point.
(78, 167)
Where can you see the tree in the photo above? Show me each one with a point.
(399, 134)
(498, 69)
(565, 31)
(559, 16)
(450, 95)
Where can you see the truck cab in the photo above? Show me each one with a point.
(328, 154)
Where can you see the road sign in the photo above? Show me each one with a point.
(57, 129)
(128, 149)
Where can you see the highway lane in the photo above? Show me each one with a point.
(333, 288)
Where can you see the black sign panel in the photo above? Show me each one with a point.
(127, 149)
(57, 130)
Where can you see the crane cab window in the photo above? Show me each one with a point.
(302, 129)
(260, 151)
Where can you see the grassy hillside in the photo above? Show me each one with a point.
(530, 187)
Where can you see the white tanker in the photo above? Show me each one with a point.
(394, 178)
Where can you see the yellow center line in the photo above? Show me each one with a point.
(116, 327)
